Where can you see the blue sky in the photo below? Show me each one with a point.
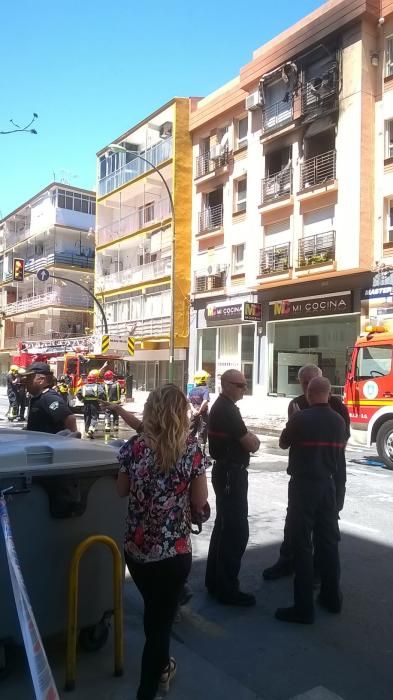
(93, 69)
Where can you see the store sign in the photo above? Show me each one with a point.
(223, 312)
(377, 292)
(312, 306)
(251, 311)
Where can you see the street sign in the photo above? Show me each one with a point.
(105, 343)
(131, 345)
(43, 274)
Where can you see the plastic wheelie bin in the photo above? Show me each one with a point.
(64, 491)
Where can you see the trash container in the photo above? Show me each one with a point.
(64, 491)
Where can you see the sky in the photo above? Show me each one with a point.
(91, 70)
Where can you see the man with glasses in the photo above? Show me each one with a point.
(230, 444)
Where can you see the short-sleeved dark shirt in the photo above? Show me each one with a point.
(334, 402)
(47, 412)
(225, 428)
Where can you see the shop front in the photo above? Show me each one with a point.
(225, 339)
(317, 330)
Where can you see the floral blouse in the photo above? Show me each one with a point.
(159, 516)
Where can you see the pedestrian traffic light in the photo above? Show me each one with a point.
(18, 273)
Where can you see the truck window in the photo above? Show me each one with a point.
(374, 361)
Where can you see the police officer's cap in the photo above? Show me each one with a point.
(39, 368)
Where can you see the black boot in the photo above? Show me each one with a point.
(283, 567)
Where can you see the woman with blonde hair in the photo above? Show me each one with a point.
(163, 474)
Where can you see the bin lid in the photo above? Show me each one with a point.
(33, 453)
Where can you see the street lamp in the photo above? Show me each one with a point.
(116, 148)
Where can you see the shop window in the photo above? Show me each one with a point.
(238, 258)
(206, 357)
(248, 334)
(373, 362)
(389, 138)
(389, 57)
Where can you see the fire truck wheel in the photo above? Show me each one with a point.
(385, 443)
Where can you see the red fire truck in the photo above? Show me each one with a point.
(368, 392)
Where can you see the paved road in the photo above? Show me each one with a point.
(247, 654)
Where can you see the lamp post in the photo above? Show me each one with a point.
(116, 148)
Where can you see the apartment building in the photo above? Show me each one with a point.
(135, 278)
(53, 230)
(285, 190)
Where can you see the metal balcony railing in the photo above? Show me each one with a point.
(157, 154)
(277, 115)
(205, 281)
(210, 218)
(318, 170)
(70, 259)
(141, 273)
(49, 299)
(321, 93)
(143, 328)
(317, 250)
(277, 258)
(276, 186)
(148, 216)
(209, 161)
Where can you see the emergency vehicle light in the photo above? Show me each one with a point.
(375, 329)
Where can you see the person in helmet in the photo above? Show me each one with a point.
(112, 390)
(12, 381)
(199, 401)
(91, 394)
(63, 387)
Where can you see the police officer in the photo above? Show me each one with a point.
(12, 380)
(91, 394)
(230, 444)
(48, 412)
(199, 399)
(112, 390)
(284, 564)
(316, 437)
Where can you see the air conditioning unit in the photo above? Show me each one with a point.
(253, 101)
(215, 151)
(165, 130)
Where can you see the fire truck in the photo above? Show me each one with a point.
(73, 357)
(368, 391)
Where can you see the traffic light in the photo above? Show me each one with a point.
(18, 273)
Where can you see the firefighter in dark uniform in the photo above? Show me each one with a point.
(199, 398)
(48, 412)
(12, 380)
(230, 444)
(20, 390)
(284, 564)
(112, 390)
(91, 394)
(316, 437)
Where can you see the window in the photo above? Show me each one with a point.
(146, 214)
(241, 194)
(374, 361)
(241, 132)
(389, 57)
(389, 139)
(389, 227)
(75, 201)
(238, 258)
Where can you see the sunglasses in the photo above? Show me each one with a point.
(239, 385)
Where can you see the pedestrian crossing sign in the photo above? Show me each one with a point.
(131, 345)
(105, 343)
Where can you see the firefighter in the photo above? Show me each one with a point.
(12, 381)
(112, 390)
(20, 390)
(199, 400)
(90, 394)
(63, 387)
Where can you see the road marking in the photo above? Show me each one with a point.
(356, 526)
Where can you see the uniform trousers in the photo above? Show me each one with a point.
(91, 415)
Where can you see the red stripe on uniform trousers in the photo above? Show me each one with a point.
(223, 435)
(320, 443)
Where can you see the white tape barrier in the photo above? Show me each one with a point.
(41, 674)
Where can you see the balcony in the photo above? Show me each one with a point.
(320, 94)
(157, 154)
(317, 250)
(210, 161)
(210, 219)
(275, 259)
(209, 282)
(277, 115)
(11, 238)
(49, 299)
(143, 328)
(318, 170)
(146, 216)
(276, 187)
(66, 259)
(141, 273)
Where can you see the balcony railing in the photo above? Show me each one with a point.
(277, 258)
(317, 250)
(321, 94)
(141, 273)
(157, 154)
(208, 282)
(318, 170)
(208, 162)
(143, 328)
(69, 259)
(277, 115)
(147, 216)
(277, 186)
(210, 218)
(48, 299)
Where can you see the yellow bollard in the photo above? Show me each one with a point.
(72, 623)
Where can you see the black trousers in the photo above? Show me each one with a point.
(13, 404)
(160, 584)
(230, 533)
(312, 514)
(111, 418)
(21, 400)
(91, 414)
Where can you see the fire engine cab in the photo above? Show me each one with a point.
(368, 391)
